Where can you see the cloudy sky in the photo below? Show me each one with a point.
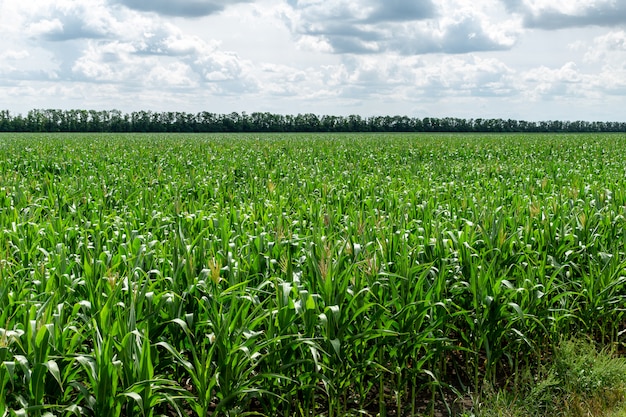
(520, 59)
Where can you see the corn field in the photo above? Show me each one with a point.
(299, 275)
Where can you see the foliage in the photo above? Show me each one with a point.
(57, 120)
(298, 274)
(579, 381)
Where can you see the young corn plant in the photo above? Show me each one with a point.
(298, 274)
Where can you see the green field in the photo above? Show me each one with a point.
(299, 274)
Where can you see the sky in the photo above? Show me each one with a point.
(519, 59)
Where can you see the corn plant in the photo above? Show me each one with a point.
(299, 275)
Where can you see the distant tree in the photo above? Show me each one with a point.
(5, 120)
(76, 120)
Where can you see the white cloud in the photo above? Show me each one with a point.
(44, 27)
(183, 8)
(557, 14)
(12, 54)
(93, 42)
(444, 58)
(608, 47)
(368, 26)
(545, 82)
(175, 74)
(109, 62)
(66, 20)
(609, 52)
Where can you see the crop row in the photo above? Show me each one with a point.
(298, 275)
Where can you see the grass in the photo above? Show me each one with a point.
(302, 275)
(578, 381)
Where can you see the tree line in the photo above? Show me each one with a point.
(55, 120)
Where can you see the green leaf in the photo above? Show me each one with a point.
(53, 368)
(136, 398)
(310, 303)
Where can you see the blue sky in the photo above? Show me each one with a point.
(520, 59)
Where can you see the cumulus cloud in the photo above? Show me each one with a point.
(544, 82)
(168, 59)
(89, 41)
(559, 14)
(182, 8)
(453, 36)
(609, 52)
(13, 54)
(328, 56)
(376, 26)
(63, 21)
(465, 76)
(9, 59)
(401, 10)
(367, 78)
(108, 62)
(608, 47)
